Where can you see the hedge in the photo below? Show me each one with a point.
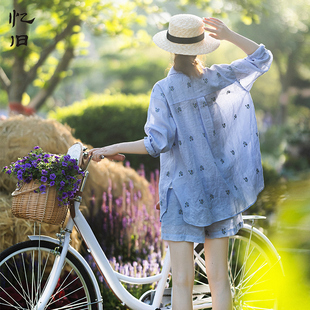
(104, 119)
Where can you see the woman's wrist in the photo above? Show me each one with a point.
(247, 45)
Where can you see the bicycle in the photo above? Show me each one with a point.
(47, 273)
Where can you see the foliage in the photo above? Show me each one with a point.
(128, 71)
(270, 197)
(57, 35)
(106, 119)
(55, 38)
(284, 30)
(291, 238)
(49, 169)
(249, 10)
(136, 73)
(286, 147)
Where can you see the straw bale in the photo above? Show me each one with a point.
(20, 134)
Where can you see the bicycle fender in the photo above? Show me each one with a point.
(81, 259)
(263, 238)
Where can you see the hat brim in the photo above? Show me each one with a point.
(206, 46)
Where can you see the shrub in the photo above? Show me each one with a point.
(106, 119)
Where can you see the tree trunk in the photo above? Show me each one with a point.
(287, 77)
(18, 80)
(50, 86)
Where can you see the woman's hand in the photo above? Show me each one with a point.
(108, 152)
(219, 30)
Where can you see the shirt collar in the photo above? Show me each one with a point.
(173, 71)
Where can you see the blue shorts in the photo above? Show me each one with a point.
(174, 228)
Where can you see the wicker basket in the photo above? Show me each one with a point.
(38, 207)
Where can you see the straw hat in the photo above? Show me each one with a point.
(186, 36)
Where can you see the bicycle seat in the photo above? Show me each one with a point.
(76, 152)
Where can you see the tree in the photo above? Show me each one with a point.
(40, 65)
(56, 37)
(285, 31)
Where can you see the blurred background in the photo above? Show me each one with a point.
(90, 65)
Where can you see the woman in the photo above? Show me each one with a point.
(201, 121)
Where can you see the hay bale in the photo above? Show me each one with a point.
(6, 222)
(21, 134)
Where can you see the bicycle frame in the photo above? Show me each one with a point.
(112, 277)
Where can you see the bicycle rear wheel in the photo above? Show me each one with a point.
(24, 270)
(253, 272)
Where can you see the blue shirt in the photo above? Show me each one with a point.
(205, 132)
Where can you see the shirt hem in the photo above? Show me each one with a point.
(227, 217)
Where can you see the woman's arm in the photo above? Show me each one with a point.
(220, 31)
(113, 151)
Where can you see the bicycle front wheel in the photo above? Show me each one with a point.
(24, 271)
(254, 271)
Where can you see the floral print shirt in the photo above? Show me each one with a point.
(205, 132)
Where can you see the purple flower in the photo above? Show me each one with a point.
(53, 176)
(43, 179)
(64, 164)
(64, 195)
(20, 177)
(36, 147)
(47, 156)
(67, 157)
(46, 160)
(27, 165)
(42, 188)
(52, 183)
(9, 171)
(44, 172)
(63, 172)
(62, 183)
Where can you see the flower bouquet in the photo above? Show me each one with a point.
(46, 183)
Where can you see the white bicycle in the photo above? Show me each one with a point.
(47, 273)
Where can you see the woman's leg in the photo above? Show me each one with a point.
(216, 252)
(182, 264)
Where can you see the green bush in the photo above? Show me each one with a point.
(104, 119)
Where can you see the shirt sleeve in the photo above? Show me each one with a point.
(160, 127)
(247, 70)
